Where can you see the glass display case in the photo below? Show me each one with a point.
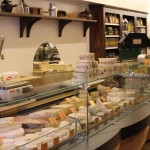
(75, 111)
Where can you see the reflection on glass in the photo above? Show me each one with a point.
(47, 52)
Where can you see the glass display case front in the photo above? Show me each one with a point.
(78, 110)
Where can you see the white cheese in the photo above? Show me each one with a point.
(9, 120)
(64, 125)
(73, 127)
(13, 133)
(10, 146)
(10, 127)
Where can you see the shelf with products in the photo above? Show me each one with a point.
(141, 22)
(112, 19)
(106, 26)
(141, 25)
(27, 21)
(111, 41)
(128, 23)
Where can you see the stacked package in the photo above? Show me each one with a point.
(86, 68)
(106, 66)
(109, 66)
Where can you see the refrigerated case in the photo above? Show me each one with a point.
(72, 114)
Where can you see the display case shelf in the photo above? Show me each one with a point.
(52, 98)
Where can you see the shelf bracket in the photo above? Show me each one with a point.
(27, 22)
(86, 25)
(30, 24)
(62, 24)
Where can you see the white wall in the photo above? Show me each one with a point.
(19, 52)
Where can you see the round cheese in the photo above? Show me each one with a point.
(73, 127)
(64, 125)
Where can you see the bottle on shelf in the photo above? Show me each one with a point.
(23, 8)
(52, 9)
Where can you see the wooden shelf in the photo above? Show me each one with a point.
(108, 48)
(109, 36)
(141, 26)
(27, 21)
(111, 24)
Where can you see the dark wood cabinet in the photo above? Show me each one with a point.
(112, 24)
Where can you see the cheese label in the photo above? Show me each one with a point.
(44, 146)
(56, 141)
(72, 133)
(62, 115)
(92, 102)
(69, 100)
(53, 121)
(73, 110)
(103, 98)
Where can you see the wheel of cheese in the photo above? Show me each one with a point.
(64, 125)
(51, 131)
(73, 127)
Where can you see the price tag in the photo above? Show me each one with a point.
(72, 133)
(53, 121)
(92, 102)
(62, 115)
(73, 110)
(44, 146)
(56, 141)
(103, 98)
(69, 100)
(97, 120)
